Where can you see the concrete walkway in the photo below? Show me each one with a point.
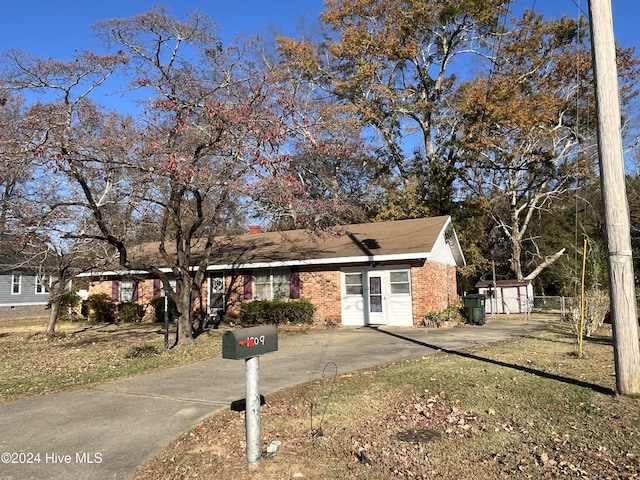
(109, 430)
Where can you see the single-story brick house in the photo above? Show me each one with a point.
(385, 273)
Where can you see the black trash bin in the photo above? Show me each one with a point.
(474, 308)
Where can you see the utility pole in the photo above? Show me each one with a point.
(624, 317)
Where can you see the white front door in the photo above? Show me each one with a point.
(376, 299)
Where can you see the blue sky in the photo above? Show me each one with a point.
(48, 28)
(55, 29)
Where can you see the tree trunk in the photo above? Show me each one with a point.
(53, 316)
(516, 252)
(185, 308)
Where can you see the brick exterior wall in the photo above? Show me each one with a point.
(145, 289)
(322, 289)
(434, 289)
(145, 294)
(100, 287)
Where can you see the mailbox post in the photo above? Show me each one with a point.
(249, 344)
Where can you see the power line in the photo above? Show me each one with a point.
(496, 51)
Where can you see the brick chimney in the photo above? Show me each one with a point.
(253, 229)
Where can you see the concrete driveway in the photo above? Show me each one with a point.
(109, 430)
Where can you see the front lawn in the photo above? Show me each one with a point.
(82, 354)
(526, 408)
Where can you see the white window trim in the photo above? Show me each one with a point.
(408, 272)
(129, 290)
(13, 284)
(41, 286)
(346, 293)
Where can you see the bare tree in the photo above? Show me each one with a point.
(528, 128)
(15, 166)
(182, 165)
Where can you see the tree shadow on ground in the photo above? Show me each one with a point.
(599, 340)
(521, 368)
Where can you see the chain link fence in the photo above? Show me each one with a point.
(554, 305)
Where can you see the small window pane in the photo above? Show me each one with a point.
(399, 277)
(353, 283)
(375, 286)
(375, 303)
(400, 283)
(399, 288)
(16, 284)
(262, 285)
(126, 290)
(272, 284)
(41, 287)
(281, 287)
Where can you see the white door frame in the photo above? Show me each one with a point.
(376, 295)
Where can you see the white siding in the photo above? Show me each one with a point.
(353, 312)
(397, 308)
(353, 306)
(400, 311)
(441, 252)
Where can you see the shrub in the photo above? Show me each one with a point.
(101, 309)
(158, 306)
(452, 314)
(69, 300)
(596, 309)
(277, 312)
(130, 312)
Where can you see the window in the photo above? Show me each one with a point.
(16, 284)
(400, 284)
(353, 283)
(126, 290)
(42, 287)
(272, 284)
